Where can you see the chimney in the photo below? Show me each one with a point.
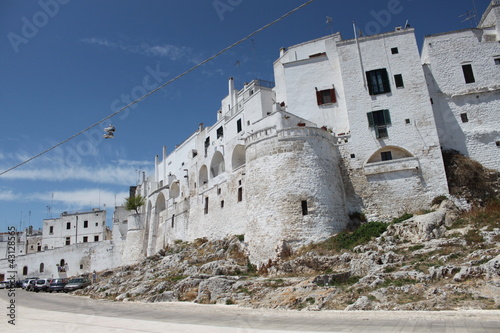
(232, 92)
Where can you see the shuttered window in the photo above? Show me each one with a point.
(378, 120)
(378, 81)
(326, 96)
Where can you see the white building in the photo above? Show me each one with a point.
(348, 128)
(463, 73)
(84, 227)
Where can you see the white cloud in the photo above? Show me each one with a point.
(80, 198)
(169, 51)
(8, 195)
(116, 175)
(134, 163)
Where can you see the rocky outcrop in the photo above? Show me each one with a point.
(434, 261)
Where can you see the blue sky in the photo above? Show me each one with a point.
(66, 64)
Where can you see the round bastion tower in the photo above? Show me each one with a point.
(294, 190)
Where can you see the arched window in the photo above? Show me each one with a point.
(389, 153)
(62, 266)
(239, 157)
(203, 178)
(25, 270)
(217, 166)
(42, 267)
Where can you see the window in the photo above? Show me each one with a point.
(222, 204)
(464, 117)
(206, 205)
(304, 207)
(468, 73)
(85, 239)
(68, 225)
(96, 238)
(173, 220)
(51, 230)
(207, 144)
(497, 143)
(398, 79)
(97, 224)
(407, 121)
(326, 96)
(25, 270)
(378, 81)
(497, 61)
(353, 155)
(68, 241)
(240, 194)
(85, 224)
(42, 267)
(379, 120)
(394, 50)
(220, 132)
(386, 155)
(239, 128)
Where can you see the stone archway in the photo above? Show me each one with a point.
(238, 159)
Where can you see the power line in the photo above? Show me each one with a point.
(160, 87)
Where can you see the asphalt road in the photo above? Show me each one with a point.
(75, 314)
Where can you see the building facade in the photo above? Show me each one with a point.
(71, 228)
(348, 127)
(463, 74)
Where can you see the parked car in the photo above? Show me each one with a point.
(31, 285)
(41, 284)
(26, 281)
(77, 283)
(57, 285)
(4, 284)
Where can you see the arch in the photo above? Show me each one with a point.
(25, 270)
(203, 175)
(175, 190)
(218, 164)
(390, 153)
(160, 202)
(239, 158)
(42, 268)
(62, 265)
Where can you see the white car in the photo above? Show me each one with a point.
(4, 284)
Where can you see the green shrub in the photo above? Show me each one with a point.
(437, 200)
(358, 215)
(241, 238)
(416, 247)
(402, 218)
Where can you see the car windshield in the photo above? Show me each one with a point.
(40, 282)
(76, 281)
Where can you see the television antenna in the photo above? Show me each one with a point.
(329, 22)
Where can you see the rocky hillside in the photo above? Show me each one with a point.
(440, 260)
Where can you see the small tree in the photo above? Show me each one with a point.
(134, 203)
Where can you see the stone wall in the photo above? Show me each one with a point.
(295, 191)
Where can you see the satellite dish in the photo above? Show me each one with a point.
(110, 132)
